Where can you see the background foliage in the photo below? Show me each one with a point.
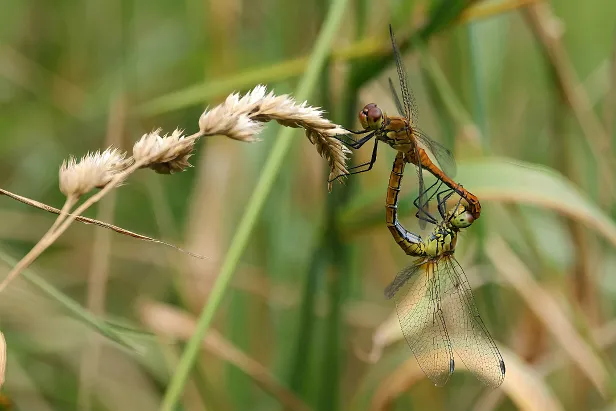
(523, 90)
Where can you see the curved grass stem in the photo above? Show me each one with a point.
(256, 202)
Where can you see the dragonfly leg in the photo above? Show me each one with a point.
(422, 213)
(441, 201)
(369, 164)
(356, 132)
(355, 144)
(439, 182)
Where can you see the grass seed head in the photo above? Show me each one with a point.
(240, 118)
(94, 170)
(166, 154)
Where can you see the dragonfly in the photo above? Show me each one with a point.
(434, 302)
(401, 133)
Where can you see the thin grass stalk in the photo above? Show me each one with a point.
(550, 313)
(177, 325)
(478, 86)
(99, 268)
(366, 48)
(87, 220)
(580, 281)
(542, 22)
(306, 324)
(255, 205)
(42, 245)
(478, 97)
(609, 104)
(73, 307)
(338, 257)
(163, 215)
(50, 237)
(454, 106)
(482, 10)
(335, 268)
(2, 359)
(300, 369)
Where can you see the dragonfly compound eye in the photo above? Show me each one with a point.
(363, 115)
(374, 117)
(462, 219)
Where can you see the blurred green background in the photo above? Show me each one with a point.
(523, 91)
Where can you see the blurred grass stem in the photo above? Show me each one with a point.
(42, 245)
(72, 306)
(99, 268)
(266, 182)
(63, 221)
(546, 28)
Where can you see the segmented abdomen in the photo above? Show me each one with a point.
(411, 244)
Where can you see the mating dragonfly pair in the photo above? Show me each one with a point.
(435, 306)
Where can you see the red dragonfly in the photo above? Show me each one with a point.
(401, 133)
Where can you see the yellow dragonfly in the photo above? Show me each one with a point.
(434, 302)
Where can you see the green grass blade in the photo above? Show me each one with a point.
(199, 93)
(442, 16)
(255, 205)
(73, 307)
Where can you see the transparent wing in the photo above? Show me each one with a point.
(416, 293)
(470, 337)
(443, 155)
(396, 98)
(423, 197)
(424, 208)
(408, 99)
(402, 277)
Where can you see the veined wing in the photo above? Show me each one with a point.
(407, 274)
(423, 208)
(416, 292)
(443, 155)
(394, 95)
(408, 99)
(470, 337)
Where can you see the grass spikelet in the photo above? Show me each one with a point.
(332, 150)
(94, 170)
(240, 118)
(167, 154)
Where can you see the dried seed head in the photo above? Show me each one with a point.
(165, 155)
(332, 150)
(288, 113)
(233, 124)
(247, 104)
(93, 170)
(233, 118)
(241, 117)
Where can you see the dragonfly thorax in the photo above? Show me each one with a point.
(442, 241)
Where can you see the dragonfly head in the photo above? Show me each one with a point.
(460, 217)
(371, 117)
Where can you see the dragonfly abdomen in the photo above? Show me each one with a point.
(411, 244)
